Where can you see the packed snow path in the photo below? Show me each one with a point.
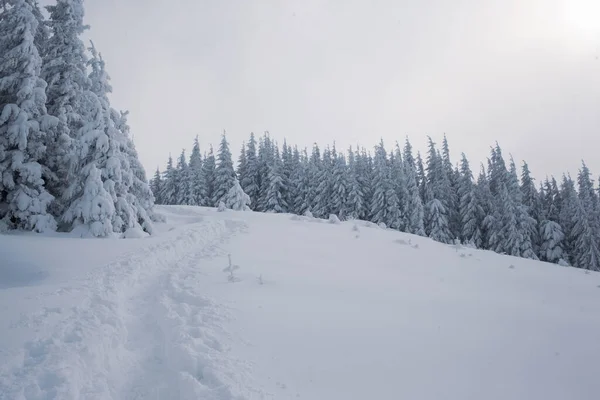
(316, 311)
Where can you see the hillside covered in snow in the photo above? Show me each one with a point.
(309, 309)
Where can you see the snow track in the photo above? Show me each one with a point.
(138, 330)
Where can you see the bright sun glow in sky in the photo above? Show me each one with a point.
(583, 16)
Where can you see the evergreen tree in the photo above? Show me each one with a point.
(236, 199)
(532, 203)
(168, 193)
(64, 68)
(551, 243)
(224, 173)
(414, 205)
(156, 186)
(355, 200)
(249, 176)
(339, 187)
(399, 185)
(209, 169)
(197, 181)
(384, 203)
(469, 209)
(274, 200)
(24, 199)
(181, 180)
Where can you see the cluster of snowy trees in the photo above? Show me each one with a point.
(499, 210)
(67, 161)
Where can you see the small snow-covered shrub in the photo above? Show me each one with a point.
(221, 207)
(230, 269)
(308, 214)
(333, 219)
(382, 225)
(135, 233)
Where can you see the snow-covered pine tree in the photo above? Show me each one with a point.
(589, 199)
(249, 178)
(287, 172)
(489, 217)
(209, 168)
(364, 174)
(301, 201)
(143, 197)
(469, 209)
(156, 186)
(242, 164)
(384, 203)
(181, 179)
(236, 199)
(64, 68)
(526, 226)
(108, 146)
(196, 176)
(452, 199)
(295, 179)
(414, 206)
(321, 206)
(224, 173)
(437, 189)
(339, 187)
(355, 199)
(399, 184)
(531, 201)
(266, 154)
(421, 178)
(93, 211)
(168, 193)
(274, 199)
(24, 200)
(551, 242)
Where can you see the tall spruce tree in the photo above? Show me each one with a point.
(24, 199)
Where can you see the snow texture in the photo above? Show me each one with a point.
(321, 315)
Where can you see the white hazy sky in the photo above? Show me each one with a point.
(523, 72)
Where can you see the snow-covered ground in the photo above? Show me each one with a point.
(316, 311)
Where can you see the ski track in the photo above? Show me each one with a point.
(142, 331)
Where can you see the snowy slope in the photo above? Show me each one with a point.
(339, 313)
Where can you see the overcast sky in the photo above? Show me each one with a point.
(523, 72)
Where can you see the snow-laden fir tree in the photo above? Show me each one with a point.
(532, 203)
(196, 176)
(224, 173)
(301, 201)
(209, 168)
(181, 181)
(551, 242)
(105, 143)
(399, 184)
(168, 192)
(451, 181)
(156, 186)
(93, 211)
(384, 203)
(24, 199)
(414, 204)
(274, 199)
(236, 199)
(321, 205)
(437, 189)
(64, 68)
(339, 187)
(266, 155)
(469, 210)
(354, 205)
(249, 176)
